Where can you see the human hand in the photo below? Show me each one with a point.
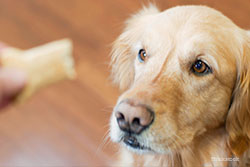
(11, 83)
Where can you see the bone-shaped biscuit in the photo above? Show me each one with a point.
(43, 65)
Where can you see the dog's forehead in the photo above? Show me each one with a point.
(185, 27)
(185, 19)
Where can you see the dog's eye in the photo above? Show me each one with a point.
(200, 67)
(142, 55)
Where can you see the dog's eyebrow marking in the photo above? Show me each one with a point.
(137, 47)
(162, 67)
(213, 60)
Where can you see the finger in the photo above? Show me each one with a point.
(11, 82)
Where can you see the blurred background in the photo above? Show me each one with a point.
(66, 123)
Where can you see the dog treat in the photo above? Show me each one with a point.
(43, 65)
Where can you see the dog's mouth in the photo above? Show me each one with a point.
(133, 143)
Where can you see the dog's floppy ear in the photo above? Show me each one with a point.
(238, 120)
(122, 59)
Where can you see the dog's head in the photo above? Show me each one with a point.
(183, 72)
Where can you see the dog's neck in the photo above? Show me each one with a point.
(208, 150)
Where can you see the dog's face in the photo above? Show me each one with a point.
(178, 70)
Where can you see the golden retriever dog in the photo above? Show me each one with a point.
(185, 77)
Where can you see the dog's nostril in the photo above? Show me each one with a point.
(121, 120)
(119, 116)
(136, 121)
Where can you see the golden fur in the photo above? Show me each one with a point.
(197, 118)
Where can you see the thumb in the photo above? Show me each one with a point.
(11, 82)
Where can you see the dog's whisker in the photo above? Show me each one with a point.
(104, 142)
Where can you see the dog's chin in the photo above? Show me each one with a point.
(138, 151)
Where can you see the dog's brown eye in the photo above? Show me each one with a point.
(142, 55)
(199, 67)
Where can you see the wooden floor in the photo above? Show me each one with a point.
(64, 124)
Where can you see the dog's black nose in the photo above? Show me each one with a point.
(133, 118)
